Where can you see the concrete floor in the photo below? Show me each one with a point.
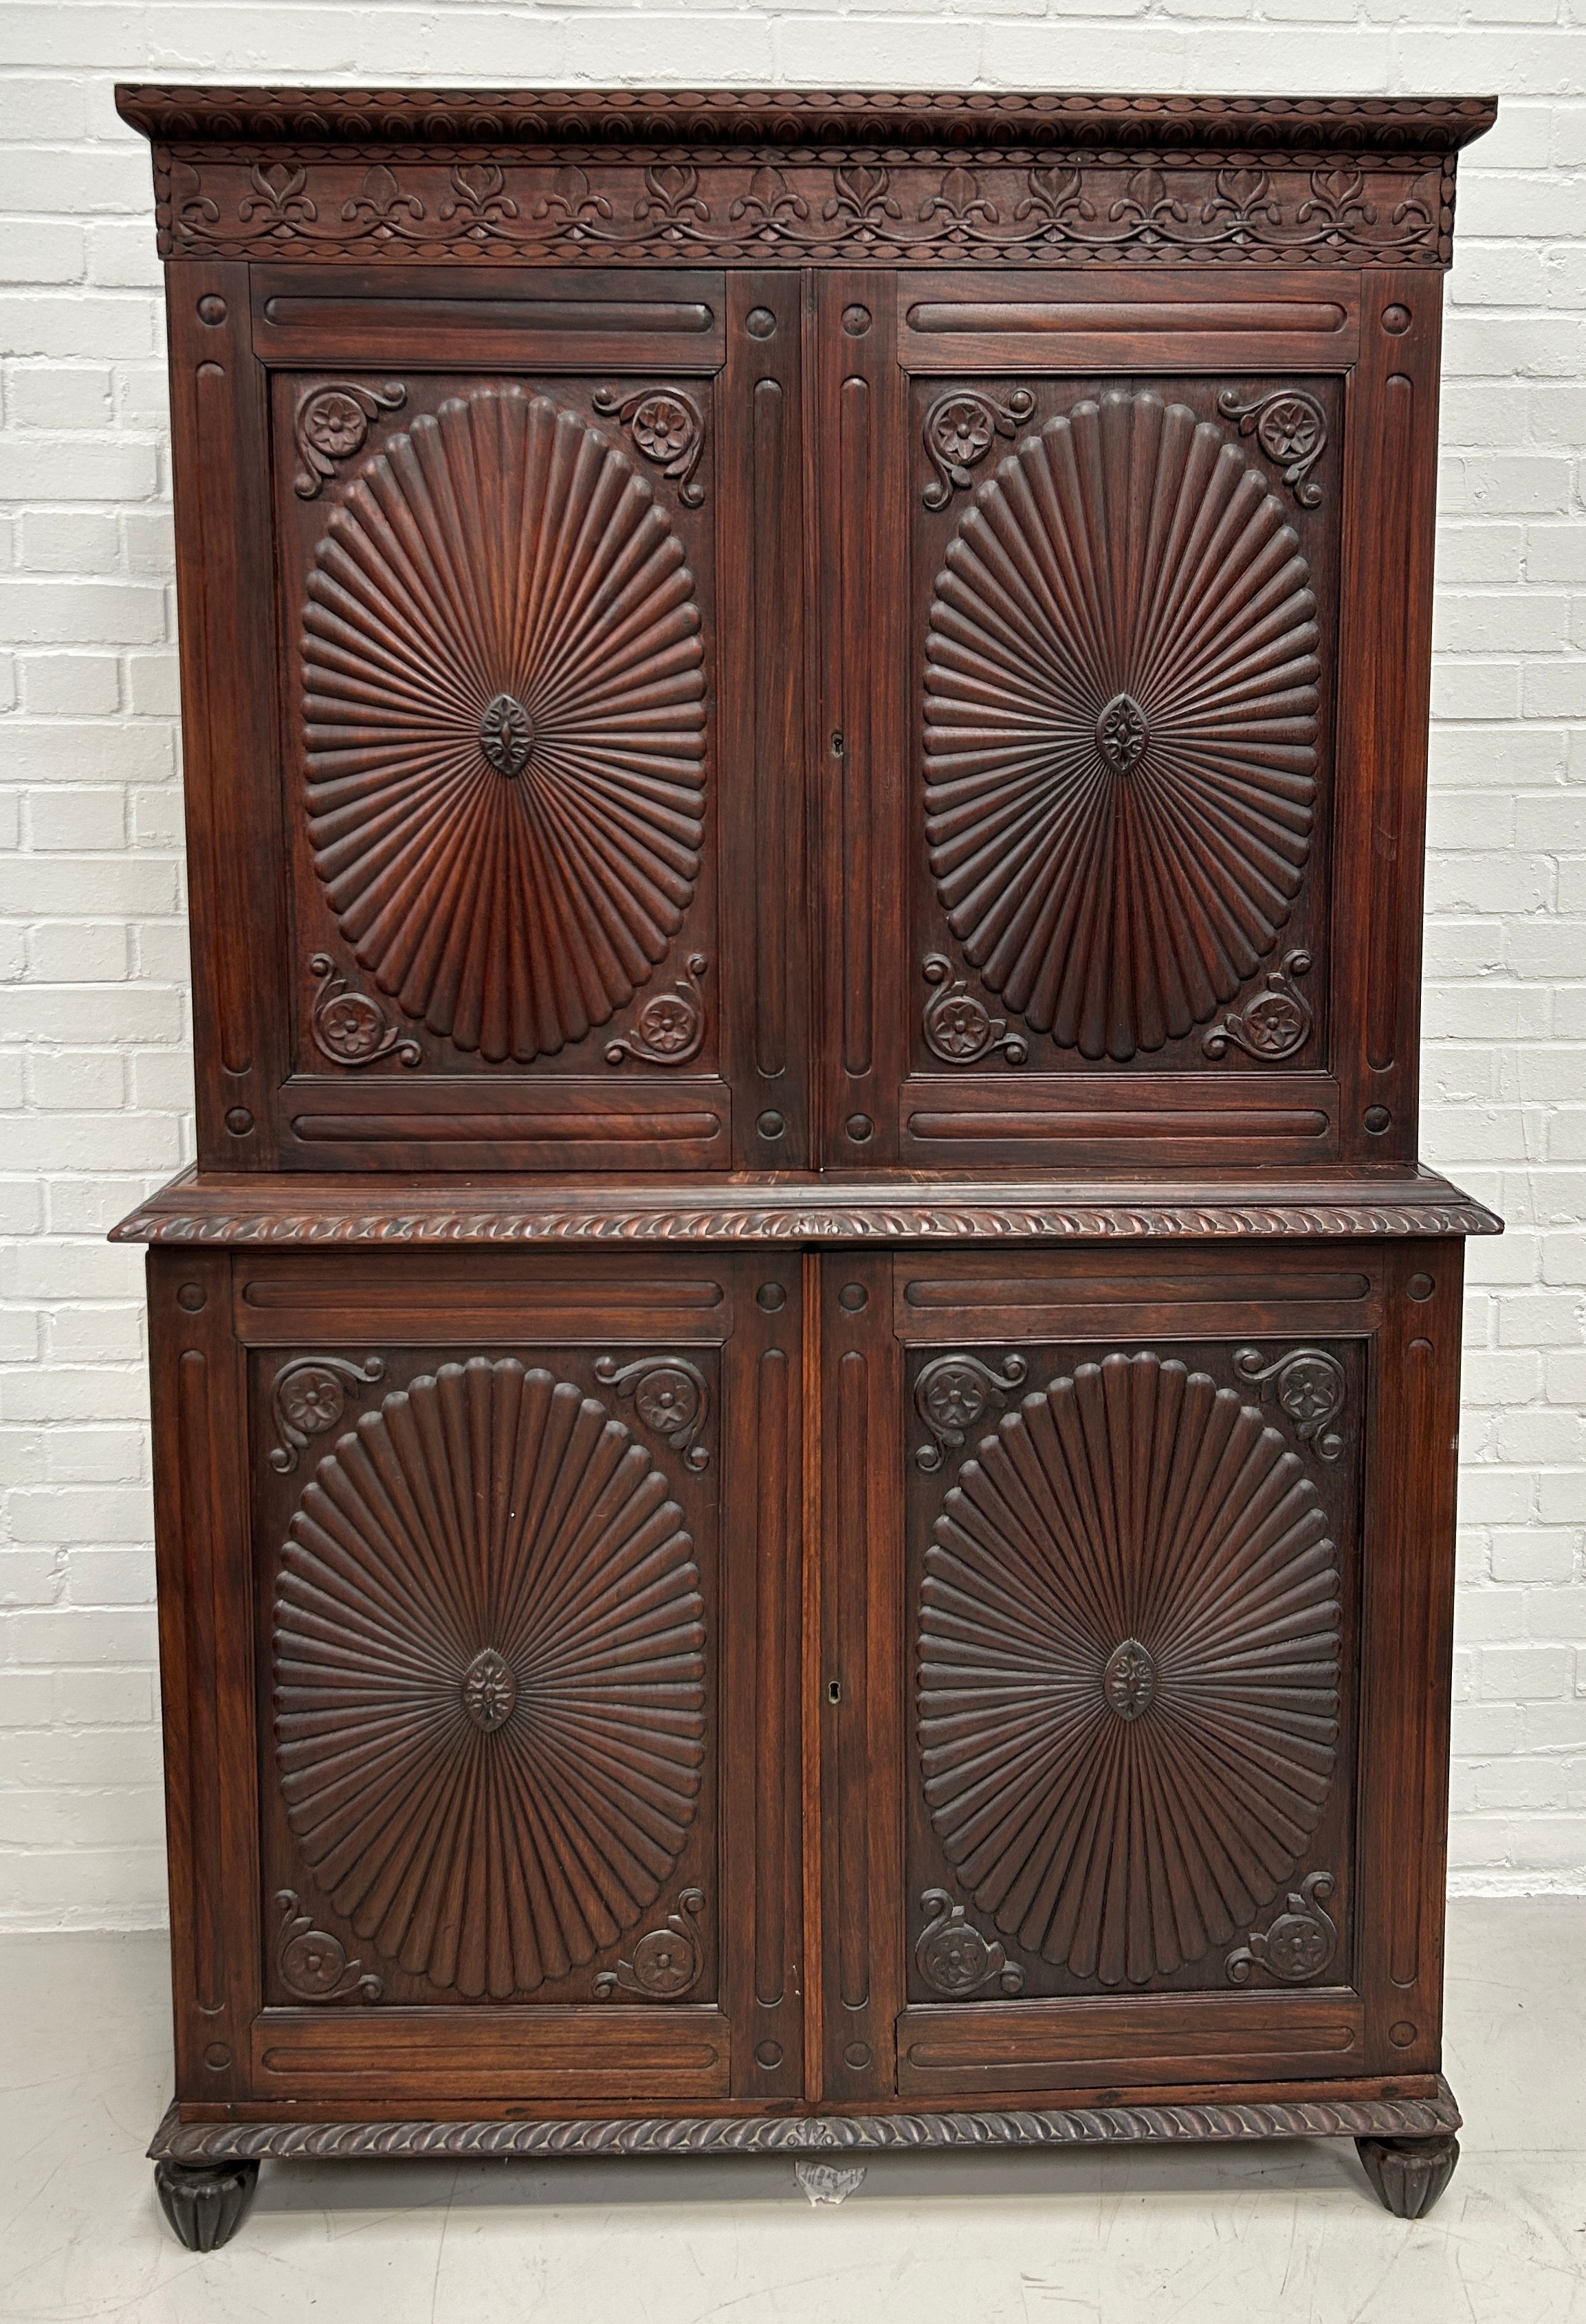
(1278, 2234)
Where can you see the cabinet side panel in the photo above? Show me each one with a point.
(220, 458)
(1391, 435)
(202, 1558)
(1407, 1651)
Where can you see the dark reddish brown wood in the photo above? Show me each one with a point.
(823, 1208)
(805, 1399)
(230, 745)
(856, 1680)
(206, 1654)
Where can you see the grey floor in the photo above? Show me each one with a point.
(1246, 2235)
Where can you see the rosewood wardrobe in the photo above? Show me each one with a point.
(805, 1393)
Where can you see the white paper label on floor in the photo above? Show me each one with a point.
(823, 2182)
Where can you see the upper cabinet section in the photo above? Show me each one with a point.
(725, 633)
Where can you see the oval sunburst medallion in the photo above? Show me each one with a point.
(504, 721)
(1129, 1663)
(489, 1678)
(1121, 725)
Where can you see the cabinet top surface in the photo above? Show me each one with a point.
(817, 1208)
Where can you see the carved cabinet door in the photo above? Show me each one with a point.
(1116, 798)
(523, 1596)
(1143, 1646)
(509, 732)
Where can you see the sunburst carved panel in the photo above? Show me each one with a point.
(489, 1678)
(505, 724)
(1130, 1637)
(1121, 725)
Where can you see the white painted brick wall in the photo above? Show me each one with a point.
(94, 1025)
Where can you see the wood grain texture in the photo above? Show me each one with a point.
(1408, 1628)
(228, 652)
(857, 1678)
(203, 1555)
(1387, 636)
(765, 718)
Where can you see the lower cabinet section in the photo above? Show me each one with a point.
(728, 1685)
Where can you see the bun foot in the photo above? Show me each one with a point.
(1409, 2175)
(206, 2202)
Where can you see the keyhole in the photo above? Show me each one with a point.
(834, 1690)
(838, 746)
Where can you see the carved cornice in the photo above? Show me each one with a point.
(284, 1212)
(176, 2141)
(802, 179)
(417, 116)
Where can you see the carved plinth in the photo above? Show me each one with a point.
(206, 2204)
(1409, 2175)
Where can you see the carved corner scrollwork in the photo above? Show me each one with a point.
(1300, 1943)
(332, 423)
(313, 1964)
(310, 1397)
(960, 429)
(1272, 1026)
(670, 1397)
(1310, 1388)
(952, 1394)
(351, 1027)
(669, 1028)
(666, 1962)
(666, 427)
(1290, 427)
(955, 1957)
(958, 1028)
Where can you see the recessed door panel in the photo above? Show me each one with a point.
(500, 705)
(1084, 718)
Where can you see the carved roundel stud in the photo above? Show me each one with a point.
(489, 1676)
(506, 735)
(1121, 724)
(1122, 733)
(498, 594)
(1130, 1601)
(489, 1690)
(1129, 1679)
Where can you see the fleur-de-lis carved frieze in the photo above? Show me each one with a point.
(1161, 209)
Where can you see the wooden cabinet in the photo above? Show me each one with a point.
(805, 1393)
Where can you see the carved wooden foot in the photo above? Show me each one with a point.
(1409, 2175)
(206, 2202)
